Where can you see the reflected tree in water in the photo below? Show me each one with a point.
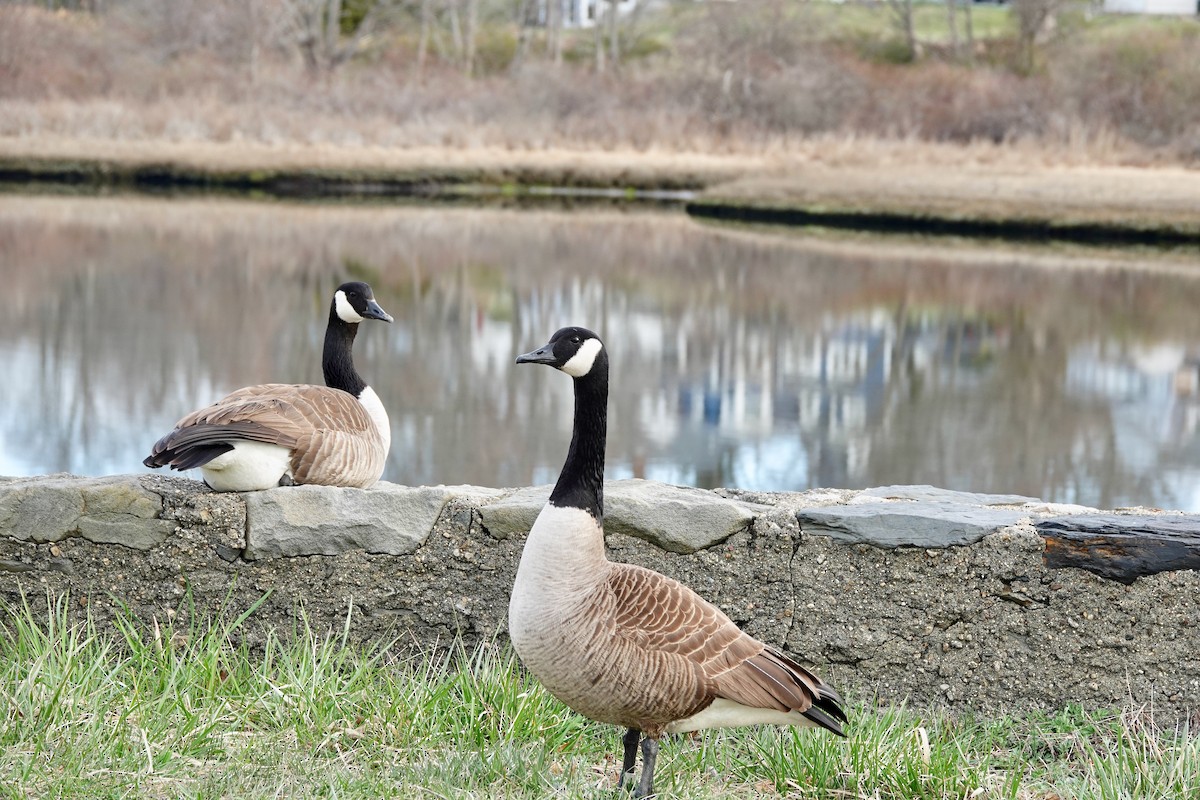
(739, 359)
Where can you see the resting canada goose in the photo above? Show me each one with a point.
(623, 644)
(279, 434)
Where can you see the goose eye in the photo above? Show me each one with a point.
(575, 340)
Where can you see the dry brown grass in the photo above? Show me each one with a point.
(766, 105)
(597, 167)
(765, 76)
(1129, 196)
(976, 181)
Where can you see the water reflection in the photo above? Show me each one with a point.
(739, 359)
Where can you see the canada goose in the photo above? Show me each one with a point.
(621, 643)
(279, 434)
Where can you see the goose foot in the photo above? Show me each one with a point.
(631, 739)
(649, 756)
(286, 480)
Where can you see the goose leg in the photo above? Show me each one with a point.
(649, 755)
(630, 740)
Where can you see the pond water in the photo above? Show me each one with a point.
(739, 358)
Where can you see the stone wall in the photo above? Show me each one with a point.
(996, 603)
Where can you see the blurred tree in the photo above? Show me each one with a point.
(330, 32)
(352, 14)
(469, 38)
(554, 31)
(235, 31)
(426, 22)
(970, 31)
(902, 16)
(526, 11)
(614, 33)
(598, 38)
(1034, 19)
(952, 26)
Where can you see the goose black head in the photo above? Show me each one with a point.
(575, 351)
(354, 301)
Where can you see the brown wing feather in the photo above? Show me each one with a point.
(765, 682)
(661, 615)
(335, 442)
(665, 615)
(680, 643)
(639, 679)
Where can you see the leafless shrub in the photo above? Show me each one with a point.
(1147, 89)
(752, 76)
(1035, 19)
(318, 29)
(46, 53)
(943, 102)
(748, 38)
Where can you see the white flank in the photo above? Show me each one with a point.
(724, 713)
(581, 363)
(249, 466)
(379, 416)
(344, 309)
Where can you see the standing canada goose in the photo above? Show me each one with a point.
(279, 434)
(623, 644)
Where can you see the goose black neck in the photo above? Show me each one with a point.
(581, 483)
(337, 362)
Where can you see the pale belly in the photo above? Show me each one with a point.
(563, 652)
(248, 467)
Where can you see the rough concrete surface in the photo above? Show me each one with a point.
(981, 623)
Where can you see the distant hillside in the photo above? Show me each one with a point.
(752, 76)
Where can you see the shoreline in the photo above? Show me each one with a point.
(1016, 228)
(938, 192)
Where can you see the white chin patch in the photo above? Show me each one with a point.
(344, 309)
(581, 363)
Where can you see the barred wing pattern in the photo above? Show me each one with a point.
(333, 438)
(708, 653)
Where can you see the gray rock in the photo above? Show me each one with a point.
(116, 510)
(113, 510)
(934, 494)
(514, 515)
(40, 509)
(899, 524)
(472, 495)
(677, 519)
(329, 520)
(122, 529)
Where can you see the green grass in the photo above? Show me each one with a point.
(930, 22)
(154, 710)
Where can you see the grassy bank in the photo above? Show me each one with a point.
(1087, 204)
(775, 110)
(166, 710)
(298, 169)
(979, 189)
